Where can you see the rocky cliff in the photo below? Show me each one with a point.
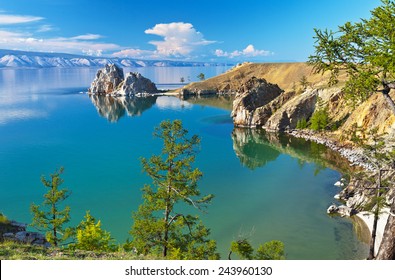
(110, 80)
(251, 96)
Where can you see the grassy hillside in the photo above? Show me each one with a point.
(285, 75)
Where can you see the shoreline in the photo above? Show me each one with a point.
(356, 158)
(368, 219)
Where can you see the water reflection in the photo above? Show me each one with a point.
(252, 148)
(115, 108)
(216, 101)
(255, 148)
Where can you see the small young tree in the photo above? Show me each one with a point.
(304, 83)
(201, 76)
(272, 250)
(90, 236)
(160, 227)
(48, 217)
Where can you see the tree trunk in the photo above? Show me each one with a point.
(386, 91)
(387, 247)
(376, 218)
(390, 102)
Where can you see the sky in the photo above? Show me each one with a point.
(198, 30)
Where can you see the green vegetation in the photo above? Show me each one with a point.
(18, 251)
(159, 228)
(91, 237)
(201, 77)
(48, 217)
(272, 250)
(304, 83)
(320, 119)
(302, 123)
(3, 219)
(364, 50)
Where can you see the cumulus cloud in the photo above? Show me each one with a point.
(179, 39)
(249, 51)
(17, 19)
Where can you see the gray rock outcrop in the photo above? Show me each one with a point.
(110, 81)
(27, 237)
(107, 80)
(135, 83)
(342, 210)
(253, 94)
(300, 107)
(15, 231)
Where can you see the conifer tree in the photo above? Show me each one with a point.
(49, 217)
(161, 226)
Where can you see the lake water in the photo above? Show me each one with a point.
(266, 186)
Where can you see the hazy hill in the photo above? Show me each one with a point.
(23, 59)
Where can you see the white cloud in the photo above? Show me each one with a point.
(179, 39)
(45, 28)
(30, 41)
(249, 51)
(87, 37)
(17, 19)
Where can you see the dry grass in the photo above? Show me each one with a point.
(286, 75)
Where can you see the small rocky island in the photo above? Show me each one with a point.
(111, 81)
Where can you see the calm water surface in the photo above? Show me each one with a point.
(266, 186)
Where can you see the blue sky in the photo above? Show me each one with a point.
(199, 30)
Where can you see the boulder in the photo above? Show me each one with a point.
(300, 107)
(342, 210)
(27, 237)
(251, 95)
(135, 83)
(107, 80)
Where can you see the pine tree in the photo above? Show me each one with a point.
(90, 236)
(48, 216)
(160, 228)
(364, 50)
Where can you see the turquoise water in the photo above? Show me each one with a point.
(266, 187)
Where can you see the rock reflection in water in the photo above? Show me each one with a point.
(252, 148)
(114, 108)
(256, 147)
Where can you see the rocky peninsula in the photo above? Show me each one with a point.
(283, 97)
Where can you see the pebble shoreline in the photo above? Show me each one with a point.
(355, 156)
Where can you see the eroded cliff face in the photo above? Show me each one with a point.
(254, 94)
(371, 114)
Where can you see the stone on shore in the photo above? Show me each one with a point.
(342, 210)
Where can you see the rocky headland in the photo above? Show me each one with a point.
(110, 80)
(278, 97)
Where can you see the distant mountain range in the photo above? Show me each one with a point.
(24, 59)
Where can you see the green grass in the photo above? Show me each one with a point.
(17, 251)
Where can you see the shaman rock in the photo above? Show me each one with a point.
(107, 80)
